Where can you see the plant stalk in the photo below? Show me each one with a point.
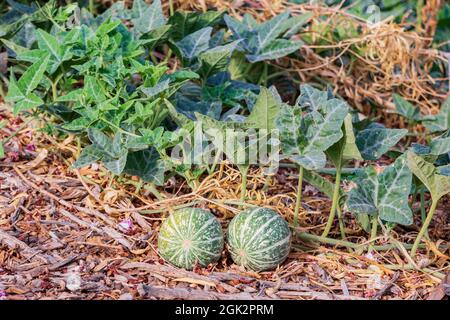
(91, 6)
(424, 228)
(2, 92)
(335, 202)
(299, 195)
(342, 243)
(373, 232)
(423, 213)
(151, 187)
(341, 223)
(171, 9)
(263, 79)
(54, 91)
(329, 171)
(244, 173)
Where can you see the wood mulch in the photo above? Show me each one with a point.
(68, 234)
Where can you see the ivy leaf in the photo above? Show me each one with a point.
(276, 49)
(16, 48)
(395, 184)
(72, 96)
(440, 145)
(305, 137)
(88, 155)
(155, 36)
(406, 109)
(93, 90)
(33, 76)
(106, 27)
(261, 41)
(147, 165)
(216, 59)
(375, 140)
(14, 91)
(157, 89)
(351, 150)
(148, 18)
(264, 112)
(102, 142)
(345, 148)
(295, 23)
(179, 118)
(30, 101)
(77, 125)
(116, 164)
(311, 98)
(185, 23)
(271, 29)
(362, 198)
(21, 7)
(437, 184)
(385, 194)
(241, 32)
(194, 44)
(441, 121)
(32, 55)
(189, 107)
(50, 44)
(323, 127)
(311, 160)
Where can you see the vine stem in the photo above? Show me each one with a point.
(299, 195)
(91, 6)
(244, 173)
(335, 202)
(263, 78)
(424, 228)
(152, 188)
(2, 92)
(423, 213)
(341, 223)
(373, 232)
(171, 9)
(119, 128)
(329, 171)
(54, 91)
(315, 238)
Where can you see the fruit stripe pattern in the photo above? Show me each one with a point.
(190, 237)
(259, 239)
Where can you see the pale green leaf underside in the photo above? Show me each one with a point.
(438, 185)
(264, 111)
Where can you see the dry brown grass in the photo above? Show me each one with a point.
(55, 220)
(388, 57)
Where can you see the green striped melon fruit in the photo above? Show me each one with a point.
(259, 239)
(190, 237)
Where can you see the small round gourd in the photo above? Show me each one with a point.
(189, 237)
(259, 239)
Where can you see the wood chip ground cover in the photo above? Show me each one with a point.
(93, 105)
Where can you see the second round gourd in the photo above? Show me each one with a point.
(259, 239)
